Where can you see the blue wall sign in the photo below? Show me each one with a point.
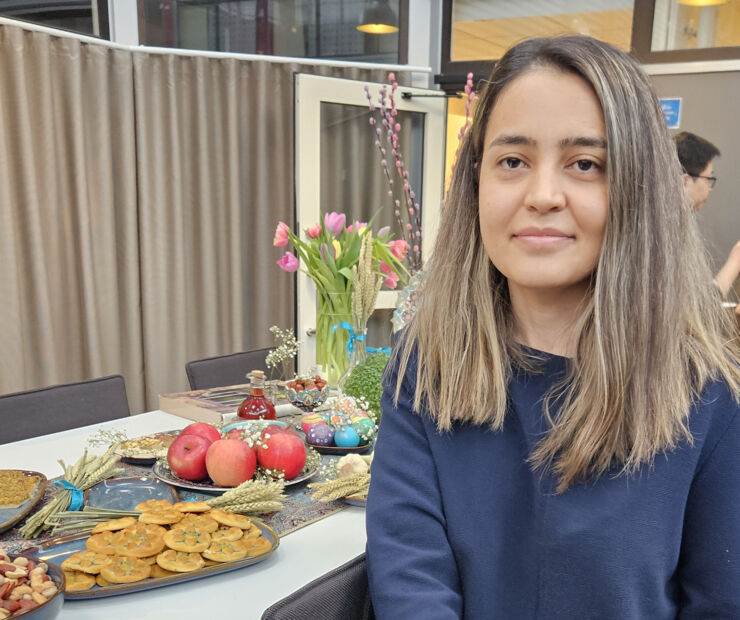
(672, 110)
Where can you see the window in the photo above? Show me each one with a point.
(297, 28)
(88, 17)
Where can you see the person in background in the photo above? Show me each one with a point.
(697, 161)
(560, 422)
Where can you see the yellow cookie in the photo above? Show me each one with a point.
(226, 551)
(257, 546)
(112, 526)
(192, 507)
(201, 522)
(126, 570)
(102, 581)
(139, 544)
(161, 517)
(191, 540)
(153, 504)
(180, 561)
(231, 518)
(146, 528)
(151, 560)
(76, 581)
(86, 562)
(227, 533)
(158, 571)
(105, 542)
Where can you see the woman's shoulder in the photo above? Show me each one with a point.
(714, 417)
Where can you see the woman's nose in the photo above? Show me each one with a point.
(546, 191)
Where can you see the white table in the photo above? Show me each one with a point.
(245, 593)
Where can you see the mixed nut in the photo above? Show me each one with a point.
(24, 585)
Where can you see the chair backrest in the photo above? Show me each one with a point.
(225, 369)
(61, 407)
(341, 594)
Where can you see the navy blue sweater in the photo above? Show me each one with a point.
(459, 525)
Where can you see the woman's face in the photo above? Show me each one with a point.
(543, 193)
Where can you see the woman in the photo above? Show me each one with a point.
(560, 435)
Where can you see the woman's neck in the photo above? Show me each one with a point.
(547, 320)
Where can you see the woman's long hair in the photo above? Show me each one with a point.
(653, 331)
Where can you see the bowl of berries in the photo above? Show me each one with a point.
(307, 391)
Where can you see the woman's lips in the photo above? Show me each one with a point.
(542, 237)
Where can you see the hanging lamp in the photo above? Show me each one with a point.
(378, 18)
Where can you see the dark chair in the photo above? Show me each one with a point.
(341, 594)
(61, 407)
(225, 370)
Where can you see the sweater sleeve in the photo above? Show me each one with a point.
(411, 567)
(709, 568)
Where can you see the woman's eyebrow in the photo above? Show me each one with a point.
(599, 143)
(587, 141)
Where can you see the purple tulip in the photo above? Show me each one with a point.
(334, 222)
(288, 262)
(384, 231)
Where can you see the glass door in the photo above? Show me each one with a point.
(338, 168)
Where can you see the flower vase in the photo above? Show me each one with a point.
(357, 355)
(331, 338)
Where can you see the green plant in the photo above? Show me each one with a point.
(366, 381)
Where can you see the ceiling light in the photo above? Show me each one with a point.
(378, 18)
(702, 2)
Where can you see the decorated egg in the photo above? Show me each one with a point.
(346, 437)
(366, 430)
(320, 434)
(359, 415)
(308, 420)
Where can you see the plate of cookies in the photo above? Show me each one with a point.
(19, 492)
(168, 543)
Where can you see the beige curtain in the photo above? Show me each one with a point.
(69, 279)
(139, 194)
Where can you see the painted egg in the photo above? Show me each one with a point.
(308, 420)
(347, 437)
(359, 415)
(366, 429)
(320, 434)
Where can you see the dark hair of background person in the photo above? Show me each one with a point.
(694, 152)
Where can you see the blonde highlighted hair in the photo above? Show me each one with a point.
(653, 332)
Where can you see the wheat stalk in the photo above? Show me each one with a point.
(366, 284)
(356, 484)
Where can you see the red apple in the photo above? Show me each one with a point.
(282, 451)
(187, 457)
(230, 462)
(202, 429)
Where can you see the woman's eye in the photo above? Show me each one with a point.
(586, 165)
(511, 163)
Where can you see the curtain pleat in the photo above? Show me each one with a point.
(69, 225)
(139, 194)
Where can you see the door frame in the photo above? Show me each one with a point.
(310, 92)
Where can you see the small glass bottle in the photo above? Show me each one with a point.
(256, 406)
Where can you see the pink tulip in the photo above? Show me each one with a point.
(334, 222)
(356, 227)
(399, 248)
(281, 235)
(288, 262)
(391, 281)
(313, 231)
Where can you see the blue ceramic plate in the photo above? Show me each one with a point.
(59, 549)
(10, 516)
(126, 493)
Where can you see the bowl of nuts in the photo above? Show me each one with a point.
(29, 588)
(306, 392)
